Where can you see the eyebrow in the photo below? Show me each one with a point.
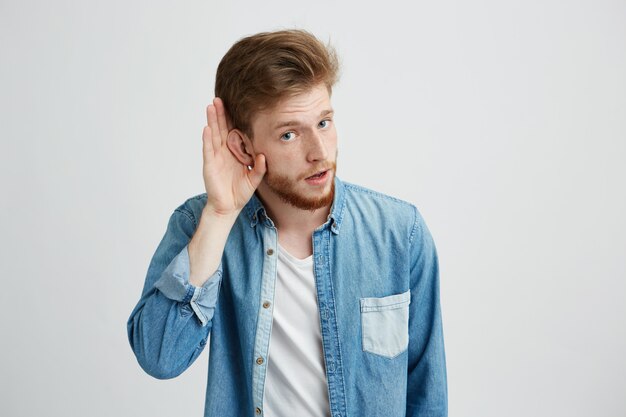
(295, 122)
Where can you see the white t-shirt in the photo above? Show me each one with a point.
(295, 383)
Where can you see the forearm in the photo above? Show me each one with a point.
(207, 245)
(171, 322)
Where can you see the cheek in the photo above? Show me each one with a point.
(332, 144)
(276, 164)
(332, 135)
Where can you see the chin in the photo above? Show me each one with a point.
(313, 201)
(299, 194)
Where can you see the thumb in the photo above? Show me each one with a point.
(259, 170)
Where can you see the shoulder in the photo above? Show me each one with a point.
(358, 195)
(192, 208)
(370, 205)
(359, 192)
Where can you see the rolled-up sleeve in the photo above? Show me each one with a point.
(174, 284)
(171, 323)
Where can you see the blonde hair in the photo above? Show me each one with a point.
(260, 70)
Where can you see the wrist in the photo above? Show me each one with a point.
(219, 216)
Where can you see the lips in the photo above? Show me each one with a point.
(319, 174)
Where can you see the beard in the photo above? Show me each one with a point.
(286, 189)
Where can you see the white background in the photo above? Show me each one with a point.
(503, 121)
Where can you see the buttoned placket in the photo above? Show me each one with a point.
(328, 319)
(265, 313)
(326, 304)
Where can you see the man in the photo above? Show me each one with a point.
(321, 297)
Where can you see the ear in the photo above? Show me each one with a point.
(240, 146)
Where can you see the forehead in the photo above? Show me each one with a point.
(302, 107)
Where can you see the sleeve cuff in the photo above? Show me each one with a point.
(174, 284)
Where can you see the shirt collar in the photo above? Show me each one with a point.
(255, 211)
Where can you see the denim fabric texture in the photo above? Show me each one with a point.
(377, 283)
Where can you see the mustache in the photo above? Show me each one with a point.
(324, 167)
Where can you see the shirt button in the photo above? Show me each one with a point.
(266, 304)
(258, 410)
(270, 251)
(259, 361)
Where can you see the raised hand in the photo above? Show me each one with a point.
(229, 183)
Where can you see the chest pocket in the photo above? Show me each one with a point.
(385, 324)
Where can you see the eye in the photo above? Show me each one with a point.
(324, 123)
(288, 137)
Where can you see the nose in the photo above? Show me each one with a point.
(317, 147)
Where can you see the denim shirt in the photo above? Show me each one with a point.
(377, 283)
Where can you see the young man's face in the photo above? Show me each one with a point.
(299, 141)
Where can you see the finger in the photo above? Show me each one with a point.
(207, 144)
(211, 118)
(259, 170)
(221, 116)
(229, 122)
